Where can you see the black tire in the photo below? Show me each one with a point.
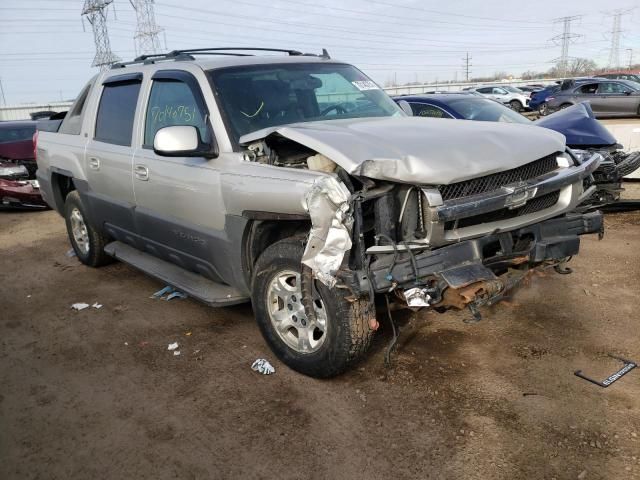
(93, 255)
(516, 106)
(348, 334)
(543, 109)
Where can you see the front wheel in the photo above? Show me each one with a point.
(321, 347)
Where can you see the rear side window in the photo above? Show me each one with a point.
(588, 89)
(72, 123)
(117, 109)
(173, 102)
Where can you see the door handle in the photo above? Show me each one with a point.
(94, 163)
(141, 172)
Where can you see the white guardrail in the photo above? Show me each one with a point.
(22, 112)
(456, 87)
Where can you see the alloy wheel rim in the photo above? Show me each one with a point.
(288, 317)
(79, 231)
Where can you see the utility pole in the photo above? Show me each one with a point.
(95, 11)
(630, 50)
(564, 39)
(466, 66)
(146, 37)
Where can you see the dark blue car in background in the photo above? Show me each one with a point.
(583, 132)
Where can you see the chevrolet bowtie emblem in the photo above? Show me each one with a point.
(519, 195)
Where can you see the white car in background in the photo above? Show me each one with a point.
(513, 97)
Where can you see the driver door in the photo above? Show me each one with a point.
(178, 214)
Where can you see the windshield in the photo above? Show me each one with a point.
(260, 96)
(485, 110)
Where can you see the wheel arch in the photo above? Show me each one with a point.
(62, 183)
(265, 229)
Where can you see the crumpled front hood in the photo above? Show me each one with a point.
(579, 125)
(420, 150)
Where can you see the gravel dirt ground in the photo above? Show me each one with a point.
(96, 394)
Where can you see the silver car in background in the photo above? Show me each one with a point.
(608, 98)
(512, 97)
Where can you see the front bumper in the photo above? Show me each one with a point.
(483, 259)
(443, 219)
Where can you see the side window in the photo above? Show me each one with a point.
(426, 110)
(588, 89)
(612, 88)
(485, 90)
(116, 111)
(499, 91)
(72, 122)
(172, 102)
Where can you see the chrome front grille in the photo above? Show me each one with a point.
(492, 182)
(534, 205)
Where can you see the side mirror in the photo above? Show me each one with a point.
(182, 141)
(406, 108)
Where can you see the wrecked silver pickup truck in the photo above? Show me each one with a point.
(295, 183)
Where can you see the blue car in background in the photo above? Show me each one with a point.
(583, 132)
(538, 99)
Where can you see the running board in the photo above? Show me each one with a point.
(212, 293)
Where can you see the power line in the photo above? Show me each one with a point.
(565, 39)
(147, 31)
(466, 66)
(95, 11)
(616, 32)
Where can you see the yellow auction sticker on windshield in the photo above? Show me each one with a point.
(365, 85)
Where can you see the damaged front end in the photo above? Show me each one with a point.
(462, 244)
(586, 136)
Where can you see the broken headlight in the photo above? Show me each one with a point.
(579, 155)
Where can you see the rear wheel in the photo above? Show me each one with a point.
(320, 347)
(516, 105)
(87, 241)
(543, 110)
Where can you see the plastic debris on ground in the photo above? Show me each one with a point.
(172, 346)
(263, 366)
(176, 353)
(170, 293)
(80, 306)
(176, 294)
(70, 253)
(96, 305)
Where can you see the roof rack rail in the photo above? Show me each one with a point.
(188, 54)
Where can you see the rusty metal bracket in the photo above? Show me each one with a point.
(628, 366)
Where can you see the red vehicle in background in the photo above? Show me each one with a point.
(18, 187)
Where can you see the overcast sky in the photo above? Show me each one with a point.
(45, 55)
